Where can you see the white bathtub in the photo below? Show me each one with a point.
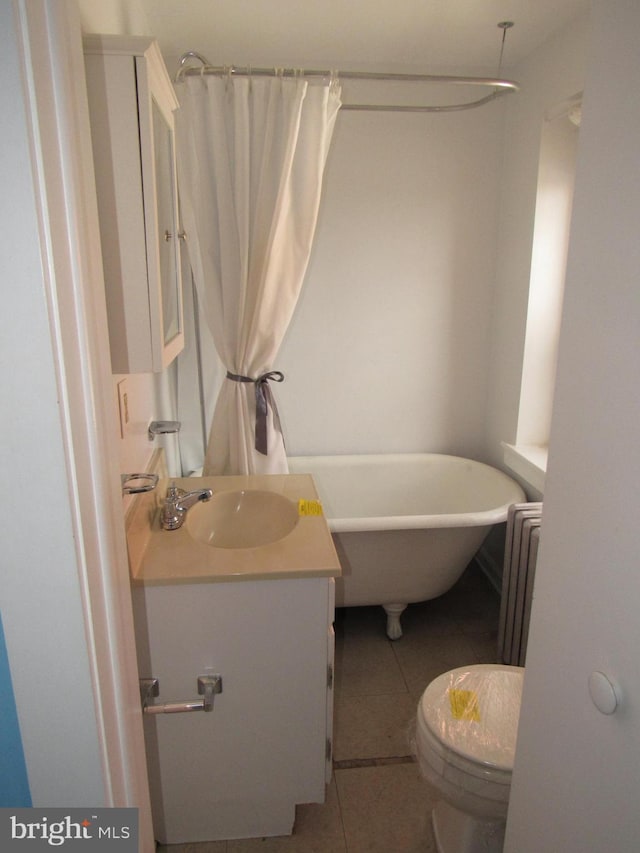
(406, 526)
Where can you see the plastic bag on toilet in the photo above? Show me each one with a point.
(474, 712)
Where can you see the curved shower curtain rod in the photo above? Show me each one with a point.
(498, 85)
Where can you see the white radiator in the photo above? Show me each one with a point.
(520, 554)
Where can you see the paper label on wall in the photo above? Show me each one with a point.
(306, 507)
(464, 705)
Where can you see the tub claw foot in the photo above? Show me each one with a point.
(394, 611)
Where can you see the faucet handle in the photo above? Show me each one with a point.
(178, 502)
(170, 517)
(173, 492)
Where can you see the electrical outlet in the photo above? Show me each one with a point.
(123, 406)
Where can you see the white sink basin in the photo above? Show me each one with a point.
(247, 518)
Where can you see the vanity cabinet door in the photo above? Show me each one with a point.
(239, 771)
(132, 105)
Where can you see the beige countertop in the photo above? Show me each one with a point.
(158, 556)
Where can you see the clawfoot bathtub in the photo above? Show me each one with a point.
(406, 526)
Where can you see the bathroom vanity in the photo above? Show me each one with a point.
(260, 617)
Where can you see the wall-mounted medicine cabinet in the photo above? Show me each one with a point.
(131, 105)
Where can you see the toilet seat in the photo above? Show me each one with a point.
(466, 739)
(489, 740)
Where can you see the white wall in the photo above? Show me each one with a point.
(577, 774)
(124, 17)
(410, 330)
(388, 349)
(552, 74)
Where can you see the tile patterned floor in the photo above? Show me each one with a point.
(377, 801)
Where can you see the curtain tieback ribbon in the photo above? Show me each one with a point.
(264, 399)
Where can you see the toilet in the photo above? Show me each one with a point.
(466, 728)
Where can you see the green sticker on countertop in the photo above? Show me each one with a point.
(306, 507)
(464, 705)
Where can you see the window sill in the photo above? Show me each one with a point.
(528, 461)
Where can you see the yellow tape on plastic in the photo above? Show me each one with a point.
(464, 705)
(306, 507)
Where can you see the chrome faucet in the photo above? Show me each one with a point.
(176, 504)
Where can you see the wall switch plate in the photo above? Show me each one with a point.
(123, 406)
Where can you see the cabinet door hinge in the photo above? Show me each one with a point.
(329, 749)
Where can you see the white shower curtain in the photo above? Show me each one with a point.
(251, 155)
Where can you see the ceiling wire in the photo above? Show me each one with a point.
(504, 26)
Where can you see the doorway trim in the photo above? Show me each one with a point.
(49, 43)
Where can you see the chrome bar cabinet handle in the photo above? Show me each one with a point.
(208, 687)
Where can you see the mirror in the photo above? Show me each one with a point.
(167, 237)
